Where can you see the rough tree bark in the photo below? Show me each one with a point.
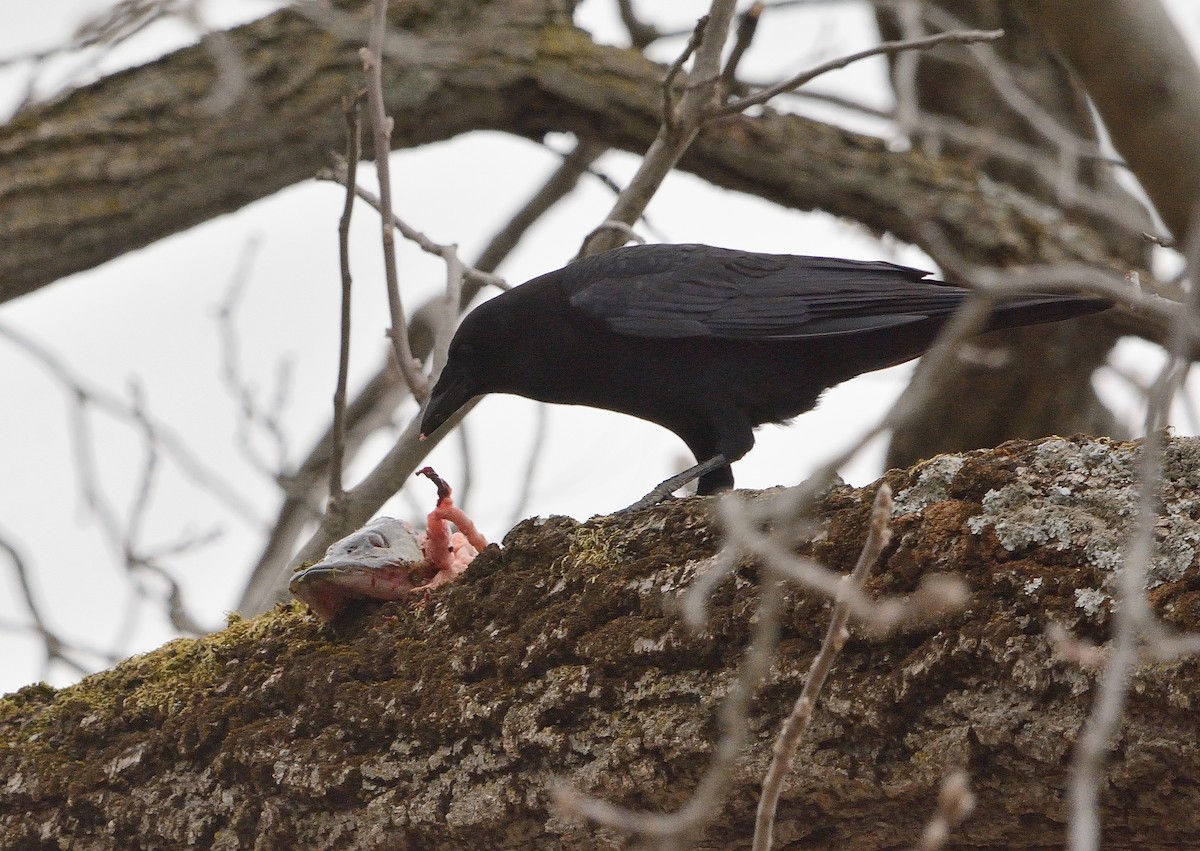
(442, 724)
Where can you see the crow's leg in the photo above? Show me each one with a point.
(715, 465)
(726, 434)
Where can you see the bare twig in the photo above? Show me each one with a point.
(347, 25)
(641, 34)
(675, 136)
(741, 537)
(904, 69)
(381, 128)
(231, 77)
(1001, 79)
(117, 23)
(746, 28)
(536, 446)
(141, 499)
(128, 536)
(338, 449)
(716, 571)
(941, 358)
(251, 414)
(1084, 198)
(456, 272)
(668, 84)
(886, 48)
(477, 275)
(467, 476)
(83, 394)
(793, 728)
(955, 803)
(574, 165)
(1132, 618)
(173, 603)
(56, 649)
(742, 523)
(378, 485)
(613, 226)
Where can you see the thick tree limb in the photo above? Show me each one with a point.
(444, 724)
(1146, 86)
(117, 165)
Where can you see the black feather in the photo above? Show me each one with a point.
(707, 342)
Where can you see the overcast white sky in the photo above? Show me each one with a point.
(150, 318)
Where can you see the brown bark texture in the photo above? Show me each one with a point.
(443, 722)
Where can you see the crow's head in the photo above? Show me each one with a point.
(455, 387)
(475, 365)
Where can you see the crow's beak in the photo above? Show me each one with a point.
(450, 394)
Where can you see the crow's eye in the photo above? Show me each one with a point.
(466, 350)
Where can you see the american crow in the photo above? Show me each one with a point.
(707, 342)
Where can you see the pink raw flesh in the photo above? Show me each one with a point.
(387, 560)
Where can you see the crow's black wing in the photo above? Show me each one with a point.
(700, 291)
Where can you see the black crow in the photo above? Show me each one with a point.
(707, 342)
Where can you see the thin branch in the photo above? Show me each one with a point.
(54, 647)
(955, 803)
(338, 448)
(884, 49)
(704, 805)
(377, 486)
(141, 498)
(231, 74)
(942, 357)
(250, 413)
(641, 34)
(397, 42)
(575, 164)
(83, 393)
(456, 272)
(668, 84)
(476, 274)
(536, 453)
(746, 28)
(467, 476)
(381, 127)
(742, 523)
(613, 226)
(793, 728)
(1133, 618)
(372, 408)
(1001, 79)
(673, 138)
(904, 69)
(1082, 197)
(673, 828)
